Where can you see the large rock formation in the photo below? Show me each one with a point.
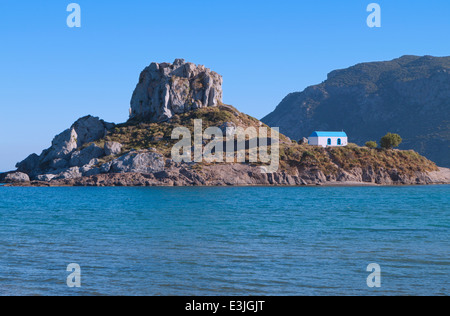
(167, 89)
(409, 96)
(67, 149)
(163, 91)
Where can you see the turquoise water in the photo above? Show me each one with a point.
(225, 241)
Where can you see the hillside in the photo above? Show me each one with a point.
(409, 96)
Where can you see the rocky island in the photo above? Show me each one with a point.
(93, 152)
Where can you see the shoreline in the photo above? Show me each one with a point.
(349, 184)
(238, 175)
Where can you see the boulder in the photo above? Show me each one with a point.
(62, 146)
(138, 162)
(90, 129)
(168, 89)
(29, 164)
(303, 141)
(68, 173)
(84, 156)
(106, 167)
(71, 173)
(59, 163)
(85, 130)
(87, 172)
(112, 148)
(16, 177)
(46, 177)
(90, 169)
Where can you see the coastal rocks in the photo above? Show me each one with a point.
(71, 173)
(46, 177)
(91, 169)
(59, 163)
(87, 171)
(84, 156)
(90, 129)
(62, 146)
(106, 167)
(345, 176)
(313, 176)
(62, 154)
(176, 174)
(16, 177)
(87, 168)
(440, 176)
(85, 130)
(168, 89)
(112, 148)
(138, 162)
(28, 164)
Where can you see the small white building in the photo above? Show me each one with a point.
(328, 139)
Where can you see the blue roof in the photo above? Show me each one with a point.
(328, 134)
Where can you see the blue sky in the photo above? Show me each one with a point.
(50, 75)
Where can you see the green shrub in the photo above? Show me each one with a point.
(371, 144)
(390, 140)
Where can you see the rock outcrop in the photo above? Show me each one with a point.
(168, 89)
(85, 155)
(176, 174)
(67, 151)
(138, 162)
(112, 148)
(15, 177)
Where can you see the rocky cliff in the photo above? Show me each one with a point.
(168, 89)
(409, 96)
(68, 150)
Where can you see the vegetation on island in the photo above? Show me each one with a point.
(143, 135)
(138, 134)
(330, 160)
(390, 141)
(371, 144)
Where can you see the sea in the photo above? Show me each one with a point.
(213, 241)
